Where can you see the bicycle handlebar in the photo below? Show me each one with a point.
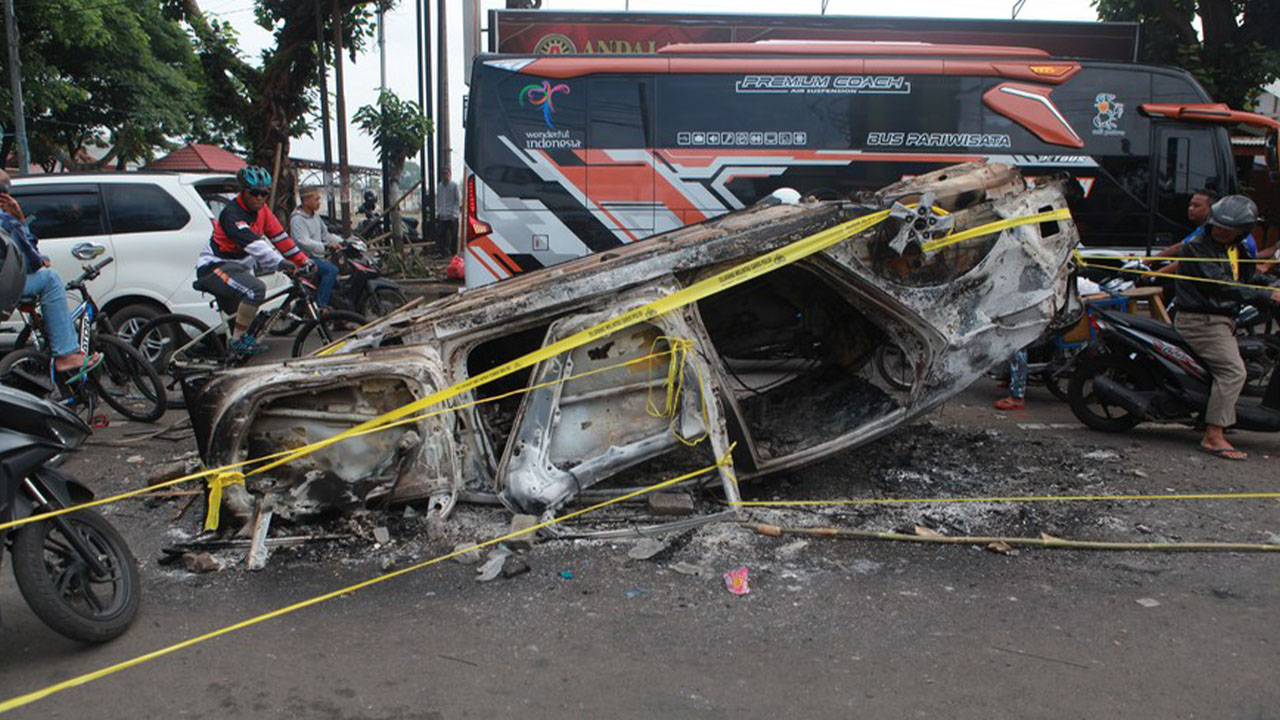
(91, 272)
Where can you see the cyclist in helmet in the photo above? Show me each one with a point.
(1209, 298)
(247, 237)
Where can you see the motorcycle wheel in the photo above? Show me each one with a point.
(1092, 410)
(316, 334)
(1057, 384)
(382, 301)
(59, 586)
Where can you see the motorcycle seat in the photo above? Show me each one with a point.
(1149, 326)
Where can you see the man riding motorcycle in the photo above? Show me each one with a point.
(1209, 298)
(247, 237)
(309, 233)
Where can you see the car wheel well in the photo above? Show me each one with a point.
(119, 303)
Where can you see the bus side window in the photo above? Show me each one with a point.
(1187, 161)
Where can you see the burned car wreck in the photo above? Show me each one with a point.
(782, 367)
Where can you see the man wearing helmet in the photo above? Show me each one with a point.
(1209, 298)
(247, 236)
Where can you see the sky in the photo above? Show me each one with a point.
(362, 76)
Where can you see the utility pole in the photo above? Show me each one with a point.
(382, 88)
(429, 170)
(15, 82)
(344, 169)
(442, 129)
(422, 152)
(324, 112)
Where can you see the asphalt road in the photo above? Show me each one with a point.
(831, 628)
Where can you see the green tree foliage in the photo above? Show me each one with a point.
(94, 73)
(1234, 54)
(398, 130)
(266, 104)
(397, 127)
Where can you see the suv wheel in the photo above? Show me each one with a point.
(129, 319)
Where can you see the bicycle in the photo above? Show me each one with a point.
(179, 346)
(125, 380)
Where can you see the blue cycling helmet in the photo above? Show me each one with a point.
(253, 177)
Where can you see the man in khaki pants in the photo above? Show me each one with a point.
(1208, 305)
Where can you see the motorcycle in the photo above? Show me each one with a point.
(74, 570)
(1141, 370)
(361, 286)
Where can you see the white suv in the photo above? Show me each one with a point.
(153, 224)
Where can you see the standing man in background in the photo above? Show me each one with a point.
(448, 202)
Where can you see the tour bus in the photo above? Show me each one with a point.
(568, 155)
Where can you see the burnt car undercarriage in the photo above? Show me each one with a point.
(781, 368)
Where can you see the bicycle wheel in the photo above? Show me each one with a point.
(127, 381)
(30, 370)
(316, 334)
(288, 322)
(177, 345)
(27, 369)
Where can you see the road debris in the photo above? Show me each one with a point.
(466, 553)
(688, 568)
(737, 581)
(671, 504)
(521, 523)
(201, 562)
(646, 548)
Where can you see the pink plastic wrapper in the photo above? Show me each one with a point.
(736, 581)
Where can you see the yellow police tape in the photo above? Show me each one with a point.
(28, 698)
(1081, 262)
(231, 469)
(705, 288)
(1006, 499)
(1176, 259)
(998, 226)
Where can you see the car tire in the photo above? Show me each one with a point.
(131, 318)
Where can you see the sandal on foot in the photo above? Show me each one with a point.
(1225, 453)
(90, 362)
(1010, 403)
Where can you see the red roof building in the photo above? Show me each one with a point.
(199, 158)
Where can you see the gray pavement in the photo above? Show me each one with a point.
(830, 629)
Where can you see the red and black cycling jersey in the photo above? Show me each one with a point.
(237, 228)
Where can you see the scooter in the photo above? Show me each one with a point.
(1142, 370)
(74, 570)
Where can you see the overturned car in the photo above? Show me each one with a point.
(799, 362)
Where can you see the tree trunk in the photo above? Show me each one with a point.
(394, 171)
(6, 146)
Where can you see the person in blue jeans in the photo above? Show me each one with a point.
(309, 233)
(44, 283)
(1017, 399)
